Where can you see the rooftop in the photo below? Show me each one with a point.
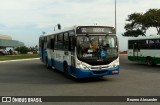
(6, 41)
(7, 37)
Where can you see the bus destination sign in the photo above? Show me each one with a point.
(94, 30)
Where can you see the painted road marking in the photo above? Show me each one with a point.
(18, 60)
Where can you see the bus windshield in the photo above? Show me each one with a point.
(97, 47)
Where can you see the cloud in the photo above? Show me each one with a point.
(34, 16)
(68, 12)
(24, 12)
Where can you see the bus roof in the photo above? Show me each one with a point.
(59, 31)
(71, 28)
(147, 37)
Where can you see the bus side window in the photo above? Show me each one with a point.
(66, 41)
(141, 44)
(147, 44)
(60, 41)
(45, 42)
(136, 46)
(48, 42)
(151, 44)
(55, 42)
(52, 44)
(157, 42)
(130, 44)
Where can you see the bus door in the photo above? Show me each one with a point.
(72, 49)
(136, 50)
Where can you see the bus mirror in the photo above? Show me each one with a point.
(59, 26)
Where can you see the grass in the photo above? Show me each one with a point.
(19, 56)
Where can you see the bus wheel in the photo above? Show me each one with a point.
(149, 61)
(66, 72)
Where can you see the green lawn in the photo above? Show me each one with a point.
(19, 56)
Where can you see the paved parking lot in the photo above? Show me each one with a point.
(31, 78)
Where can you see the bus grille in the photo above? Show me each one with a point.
(99, 68)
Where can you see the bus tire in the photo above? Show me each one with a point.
(66, 72)
(149, 61)
(47, 65)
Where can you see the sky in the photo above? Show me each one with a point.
(25, 20)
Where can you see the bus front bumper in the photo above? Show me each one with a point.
(96, 73)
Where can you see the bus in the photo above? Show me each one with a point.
(81, 51)
(145, 50)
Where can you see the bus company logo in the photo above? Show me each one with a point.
(100, 67)
(6, 99)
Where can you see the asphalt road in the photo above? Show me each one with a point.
(31, 78)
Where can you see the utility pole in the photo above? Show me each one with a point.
(115, 16)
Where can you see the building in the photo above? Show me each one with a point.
(6, 41)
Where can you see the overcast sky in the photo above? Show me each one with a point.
(25, 20)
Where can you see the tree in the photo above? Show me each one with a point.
(135, 26)
(138, 23)
(152, 19)
(33, 49)
(22, 50)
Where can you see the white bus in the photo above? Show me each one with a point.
(81, 51)
(144, 49)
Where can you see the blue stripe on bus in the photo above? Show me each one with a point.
(58, 65)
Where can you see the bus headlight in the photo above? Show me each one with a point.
(82, 66)
(114, 64)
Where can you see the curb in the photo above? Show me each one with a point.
(19, 60)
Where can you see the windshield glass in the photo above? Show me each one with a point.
(97, 47)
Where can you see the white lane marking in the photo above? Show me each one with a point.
(19, 60)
